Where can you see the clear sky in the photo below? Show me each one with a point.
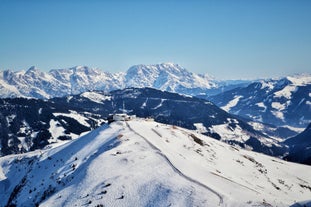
(226, 39)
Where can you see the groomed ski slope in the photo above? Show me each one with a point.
(144, 163)
(240, 177)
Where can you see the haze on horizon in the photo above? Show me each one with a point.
(226, 39)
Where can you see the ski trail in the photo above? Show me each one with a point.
(176, 169)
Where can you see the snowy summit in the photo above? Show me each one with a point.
(75, 80)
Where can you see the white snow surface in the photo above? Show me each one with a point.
(262, 105)
(266, 85)
(286, 92)
(278, 114)
(301, 79)
(144, 163)
(79, 79)
(56, 129)
(296, 80)
(75, 115)
(160, 104)
(278, 106)
(95, 97)
(200, 127)
(296, 129)
(232, 103)
(229, 133)
(165, 76)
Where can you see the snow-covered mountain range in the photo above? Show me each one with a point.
(69, 156)
(144, 163)
(33, 123)
(285, 101)
(57, 83)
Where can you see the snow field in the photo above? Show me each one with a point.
(144, 163)
(241, 177)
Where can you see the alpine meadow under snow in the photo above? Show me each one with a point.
(145, 163)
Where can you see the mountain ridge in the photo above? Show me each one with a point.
(114, 165)
(285, 101)
(67, 117)
(61, 82)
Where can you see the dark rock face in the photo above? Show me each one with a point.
(300, 147)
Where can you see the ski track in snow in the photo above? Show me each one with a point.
(172, 171)
(176, 169)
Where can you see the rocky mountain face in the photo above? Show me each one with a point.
(56, 83)
(23, 120)
(62, 82)
(285, 101)
(169, 77)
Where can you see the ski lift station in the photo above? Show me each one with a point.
(123, 117)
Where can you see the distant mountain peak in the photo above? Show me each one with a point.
(33, 69)
(61, 82)
(284, 101)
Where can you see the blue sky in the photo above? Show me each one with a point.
(226, 39)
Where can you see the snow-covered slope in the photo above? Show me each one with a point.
(55, 83)
(61, 82)
(144, 163)
(185, 111)
(47, 121)
(285, 101)
(80, 79)
(169, 77)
